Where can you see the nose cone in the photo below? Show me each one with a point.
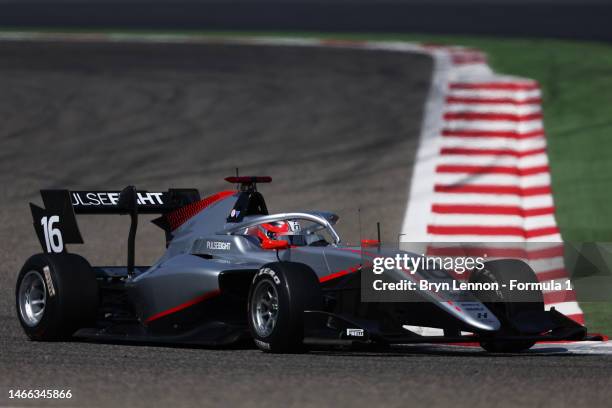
(477, 315)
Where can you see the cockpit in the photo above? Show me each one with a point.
(295, 229)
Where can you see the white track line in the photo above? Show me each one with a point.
(502, 160)
(495, 179)
(494, 94)
(493, 108)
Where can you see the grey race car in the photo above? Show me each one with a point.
(232, 272)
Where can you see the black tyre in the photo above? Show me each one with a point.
(506, 304)
(278, 296)
(56, 294)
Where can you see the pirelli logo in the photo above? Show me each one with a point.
(49, 281)
(354, 332)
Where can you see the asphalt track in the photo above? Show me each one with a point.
(337, 129)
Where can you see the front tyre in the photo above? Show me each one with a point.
(279, 295)
(56, 294)
(507, 304)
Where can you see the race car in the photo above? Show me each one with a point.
(232, 272)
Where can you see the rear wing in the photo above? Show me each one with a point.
(111, 202)
(56, 225)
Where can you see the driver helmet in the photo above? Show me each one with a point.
(272, 230)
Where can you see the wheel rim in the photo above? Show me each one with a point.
(32, 298)
(264, 308)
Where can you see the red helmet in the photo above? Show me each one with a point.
(270, 231)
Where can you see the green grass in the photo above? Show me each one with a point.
(598, 317)
(576, 80)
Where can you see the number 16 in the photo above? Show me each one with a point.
(53, 236)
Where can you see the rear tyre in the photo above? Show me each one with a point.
(56, 294)
(279, 295)
(507, 304)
